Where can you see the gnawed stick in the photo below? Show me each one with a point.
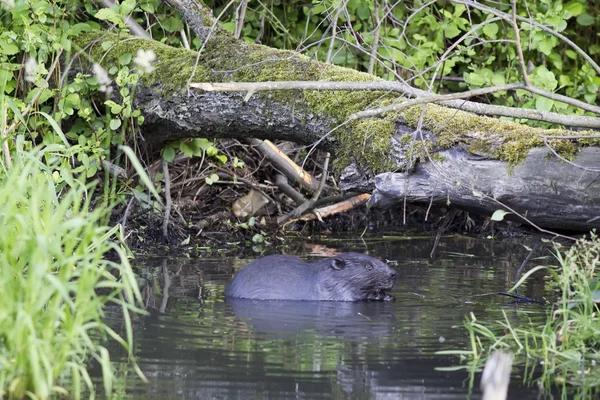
(343, 206)
(284, 164)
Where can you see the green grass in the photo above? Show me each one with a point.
(566, 348)
(54, 279)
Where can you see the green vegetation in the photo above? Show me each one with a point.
(61, 129)
(55, 280)
(565, 348)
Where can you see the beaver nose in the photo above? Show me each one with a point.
(393, 275)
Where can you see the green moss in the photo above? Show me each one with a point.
(171, 79)
(506, 141)
(367, 142)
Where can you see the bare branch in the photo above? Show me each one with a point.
(518, 44)
(448, 100)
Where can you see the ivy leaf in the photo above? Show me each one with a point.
(499, 215)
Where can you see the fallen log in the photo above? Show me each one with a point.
(543, 189)
(445, 157)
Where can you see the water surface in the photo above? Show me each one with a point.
(196, 345)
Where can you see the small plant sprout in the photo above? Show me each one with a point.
(144, 60)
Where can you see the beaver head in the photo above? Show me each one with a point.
(356, 276)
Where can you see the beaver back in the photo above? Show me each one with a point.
(345, 277)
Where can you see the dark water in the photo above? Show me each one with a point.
(212, 349)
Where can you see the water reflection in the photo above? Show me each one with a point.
(197, 345)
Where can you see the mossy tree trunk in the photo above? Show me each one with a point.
(444, 156)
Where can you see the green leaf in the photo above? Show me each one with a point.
(56, 128)
(222, 158)
(127, 6)
(172, 24)
(168, 153)
(79, 28)
(114, 107)
(451, 30)
(363, 11)
(8, 48)
(574, 7)
(125, 59)
(585, 19)
(490, 30)
(543, 103)
(115, 123)
(474, 79)
(110, 15)
(212, 151)
(499, 215)
(187, 149)
(211, 179)
(203, 143)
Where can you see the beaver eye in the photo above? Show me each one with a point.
(369, 266)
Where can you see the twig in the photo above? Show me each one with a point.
(518, 44)
(115, 170)
(433, 98)
(333, 209)
(524, 263)
(307, 205)
(565, 160)
(375, 39)
(126, 213)
(284, 164)
(240, 15)
(448, 100)
(525, 218)
(283, 185)
(168, 201)
(333, 33)
(247, 182)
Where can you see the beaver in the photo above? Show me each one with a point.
(345, 277)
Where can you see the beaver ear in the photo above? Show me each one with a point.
(338, 263)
